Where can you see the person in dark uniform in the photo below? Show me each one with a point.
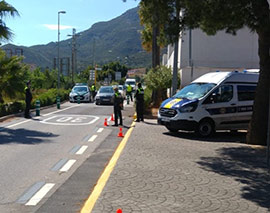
(28, 99)
(117, 107)
(139, 95)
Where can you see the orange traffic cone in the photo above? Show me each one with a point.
(112, 119)
(119, 211)
(105, 122)
(120, 134)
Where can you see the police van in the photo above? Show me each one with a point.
(214, 101)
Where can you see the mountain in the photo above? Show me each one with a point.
(114, 40)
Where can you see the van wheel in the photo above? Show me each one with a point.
(205, 128)
(171, 129)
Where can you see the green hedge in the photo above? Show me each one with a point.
(11, 108)
(47, 98)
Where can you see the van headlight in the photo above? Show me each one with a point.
(189, 107)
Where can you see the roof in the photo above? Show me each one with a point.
(218, 77)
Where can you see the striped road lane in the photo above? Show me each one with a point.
(40, 194)
(92, 138)
(81, 150)
(100, 130)
(67, 166)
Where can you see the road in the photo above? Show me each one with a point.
(56, 157)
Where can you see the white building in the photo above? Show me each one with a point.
(224, 52)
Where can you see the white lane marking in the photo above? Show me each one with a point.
(100, 130)
(10, 126)
(40, 194)
(92, 138)
(72, 122)
(60, 110)
(81, 150)
(67, 166)
(18, 123)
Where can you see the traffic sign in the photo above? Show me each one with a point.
(92, 75)
(118, 76)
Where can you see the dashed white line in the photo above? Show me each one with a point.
(100, 130)
(67, 166)
(18, 123)
(81, 150)
(40, 194)
(60, 110)
(92, 138)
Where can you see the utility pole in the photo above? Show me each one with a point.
(73, 54)
(94, 49)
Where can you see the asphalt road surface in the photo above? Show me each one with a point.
(51, 163)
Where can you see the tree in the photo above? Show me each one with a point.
(231, 15)
(5, 10)
(13, 76)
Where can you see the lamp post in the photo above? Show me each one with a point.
(58, 49)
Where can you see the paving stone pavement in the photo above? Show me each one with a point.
(160, 171)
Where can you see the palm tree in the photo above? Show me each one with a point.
(6, 10)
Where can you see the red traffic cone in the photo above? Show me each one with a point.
(119, 211)
(120, 134)
(112, 119)
(105, 122)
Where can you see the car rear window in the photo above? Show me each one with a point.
(106, 90)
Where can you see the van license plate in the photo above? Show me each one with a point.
(165, 119)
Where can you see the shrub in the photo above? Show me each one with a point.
(46, 98)
(159, 78)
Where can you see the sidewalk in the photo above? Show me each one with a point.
(163, 172)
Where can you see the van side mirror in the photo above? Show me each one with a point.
(214, 98)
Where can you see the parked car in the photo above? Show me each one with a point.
(104, 95)
(81, 91)
(214, 101)
(122, 91)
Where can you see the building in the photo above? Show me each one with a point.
(200, 53)
(140, 72)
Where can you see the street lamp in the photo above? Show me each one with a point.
(58, 50)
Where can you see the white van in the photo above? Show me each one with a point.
(214, 101)
(132, 83)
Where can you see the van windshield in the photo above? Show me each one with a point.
(194, 91)
(130, 82)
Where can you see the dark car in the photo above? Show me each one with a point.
(105, 95)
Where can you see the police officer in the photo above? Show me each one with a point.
(139, 95)
(117, 107)
(93, 92)
(28, 99)
(129, 91)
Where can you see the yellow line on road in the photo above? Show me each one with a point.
(89, 204)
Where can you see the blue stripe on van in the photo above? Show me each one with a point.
(227, 110)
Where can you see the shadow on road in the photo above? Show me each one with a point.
(218, 137)
(24, 136)
(246, 165)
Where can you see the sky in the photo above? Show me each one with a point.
(37, 22)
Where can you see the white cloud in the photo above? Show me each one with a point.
(55, 27)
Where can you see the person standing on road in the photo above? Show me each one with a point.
(117, 107)
(139, 95)
(28, 99)
(129, 91)
(93, 92)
